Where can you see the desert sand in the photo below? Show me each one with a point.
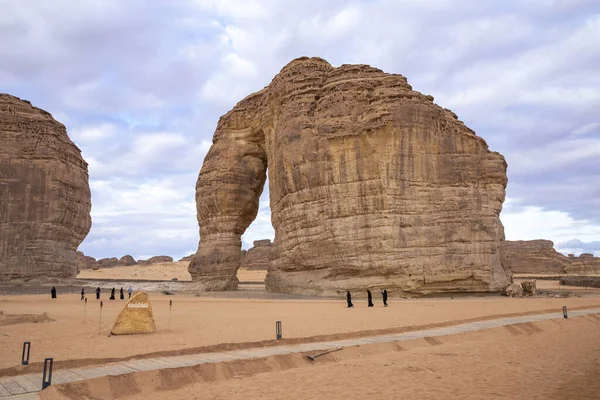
(77, 337)
(557, 359)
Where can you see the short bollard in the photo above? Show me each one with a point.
(47, 377)
(565, 312)
(278, 331)
(25, 360)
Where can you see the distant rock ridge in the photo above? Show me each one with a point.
(540, 257)
(45, 198)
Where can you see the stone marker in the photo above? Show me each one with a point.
(136, 317)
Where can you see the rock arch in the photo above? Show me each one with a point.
(371, 185)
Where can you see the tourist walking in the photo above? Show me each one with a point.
(98, 293)
(129, 291)
(349, 299)
(370, 298)
(384, 295)
(112, 294)
(121, 295)
(53, 292)
(82, 294)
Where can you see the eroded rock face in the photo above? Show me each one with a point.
(45, 198)
(540, 257)
(107, 262)
(586, 263)
(533, 257)
(257, 257)
(372, 185)
(85, 262)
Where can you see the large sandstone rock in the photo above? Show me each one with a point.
(513, 290)
(258, 257)
(533, 257)
(45, 198)
(136, 317)
(371, 185)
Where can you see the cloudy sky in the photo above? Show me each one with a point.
(140, 85)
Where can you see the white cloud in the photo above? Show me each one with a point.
(525, 222)
(587, 128)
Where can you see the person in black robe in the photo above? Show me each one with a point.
(82, 294)
(53, 292)
(370, 298)
(349, 299)
(97, 293)
(121, 294)
(384, 295)
(112, 294)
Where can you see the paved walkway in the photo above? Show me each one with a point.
(25, 386)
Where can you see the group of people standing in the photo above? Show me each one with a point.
(384, 296)
(112, 293)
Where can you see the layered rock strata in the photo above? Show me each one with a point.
(540, 257)
(45, 198)
(372, 185)
(258, 257)
(533, 257)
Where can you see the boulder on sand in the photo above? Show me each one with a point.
(136, 317)
(529, 288)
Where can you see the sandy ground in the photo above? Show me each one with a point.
(544, 360)
(161, 271)
(76, 332)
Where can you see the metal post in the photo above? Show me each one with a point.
(84, 307)
(24, 360)
(565, 312)
(47, 377)
(278, 330)
(170, 306)
(100, 320)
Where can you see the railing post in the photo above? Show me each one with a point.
(25, 360)
(565, 312)
(278, 330)
(47, 377)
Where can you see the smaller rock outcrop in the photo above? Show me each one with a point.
(529, 288)
(85, 262)
(257, 257)
(107, 262)
(136, 317)
(187, 258)
(513, 290)
(127, 260)
(155, 260)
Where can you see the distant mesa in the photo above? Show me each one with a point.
(371, 185)
(45, 199)
(540, 257)
(257, 257)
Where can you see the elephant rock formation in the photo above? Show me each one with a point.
(371, 185)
